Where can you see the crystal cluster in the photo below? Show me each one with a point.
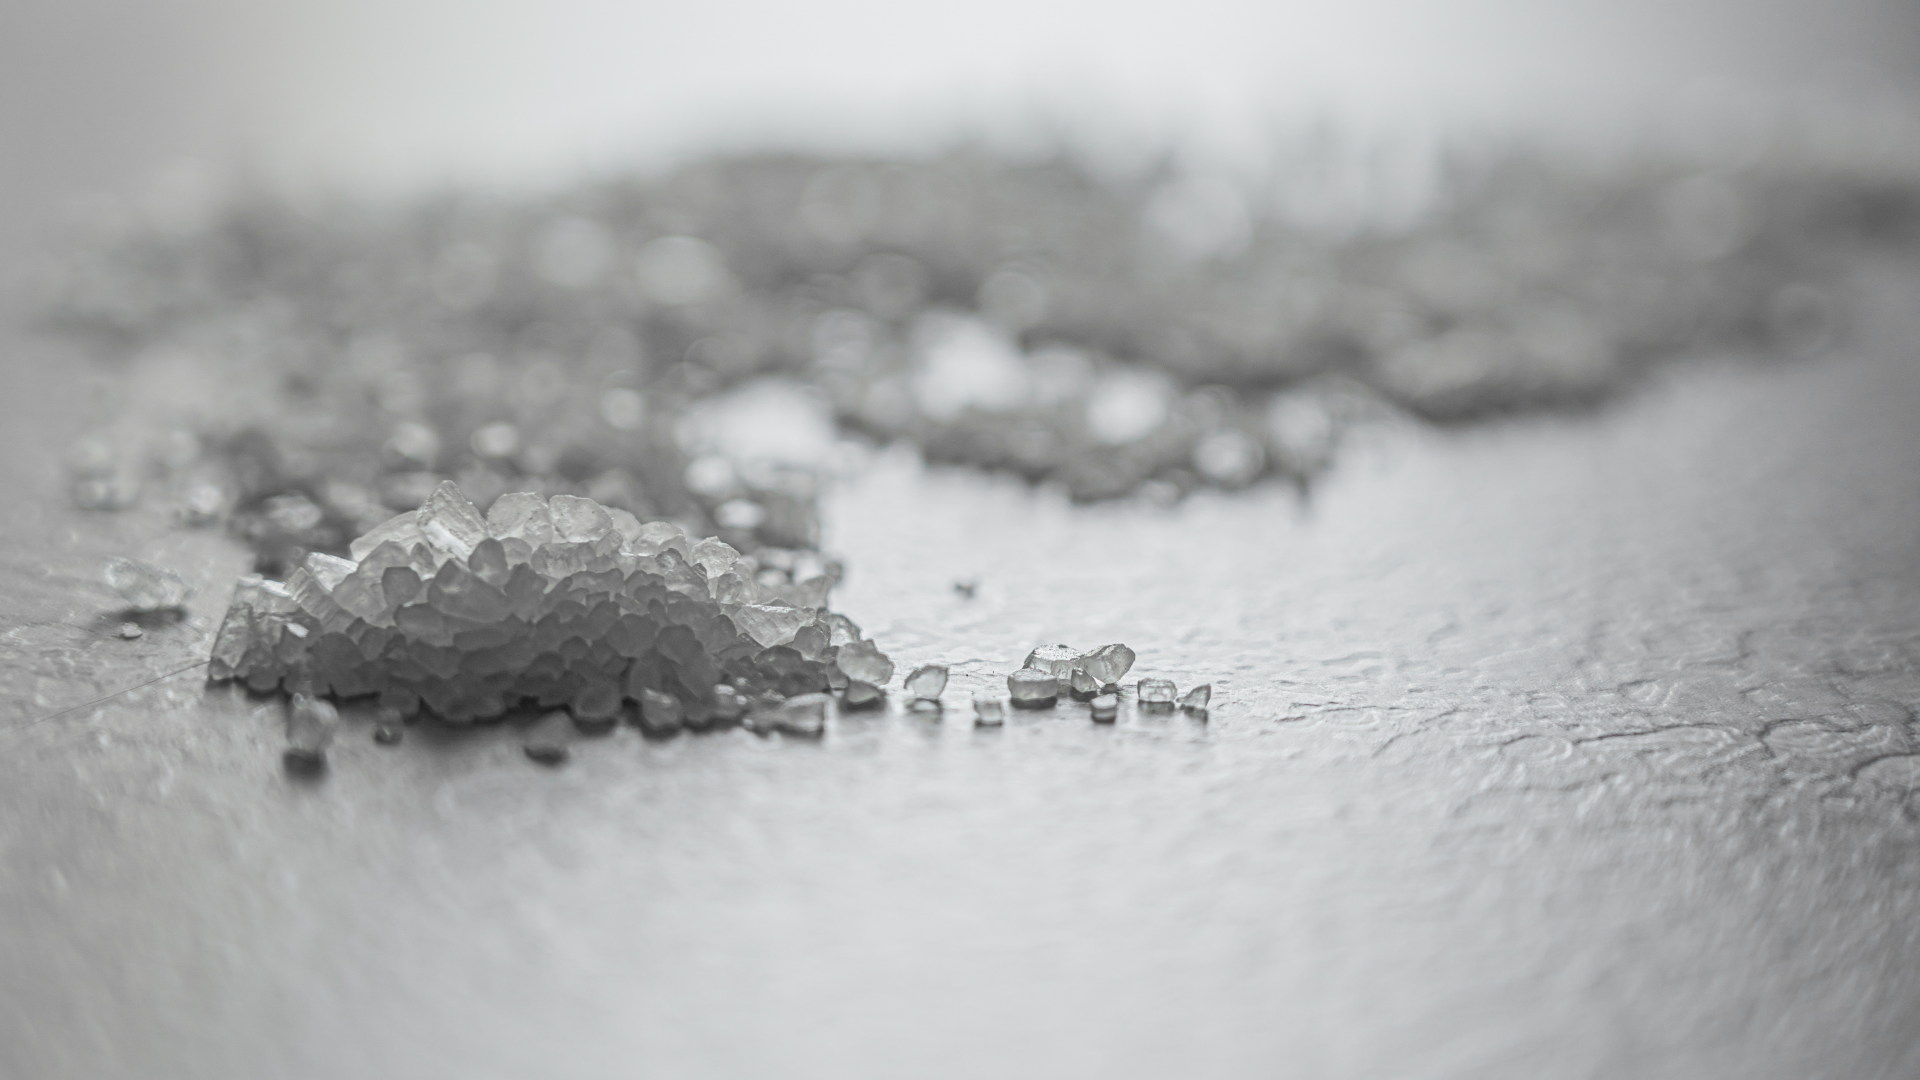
(1043, 318)
(553, 602)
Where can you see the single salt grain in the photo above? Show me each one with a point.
(1156, 693)
(862, 695)
(967, 588)
(862, 661)
(310, 727)
(1108, 664)
(804, 716)
(1031, 688)
(660, 714)
(146, 587)
(1196, 699)
(130, 631)
(596, 707)
(546, 741)
(927, 683)
(1105, 708)
(1055, 660)
(1082, 686)
(989, 710)
(388, 734)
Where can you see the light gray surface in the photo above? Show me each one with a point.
(1562, 747)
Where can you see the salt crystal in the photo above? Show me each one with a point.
(130, 631)
(1031, 688)
(1082, 686)
(1156, 693)
(927, 682)
(1195, 700)
(1055, 660)
(388, 734)
(146, 587)
(310, 727)
(863, 695)
(864, 662)
(989, 710)
(1105, 708)
(577, 520)
(660, 714)
(596, 706)
(547, 740)
(805, 716)
(1108, 664)
(449, 521)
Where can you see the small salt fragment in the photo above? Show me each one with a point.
(1082, 686)
(1056, 660)
(310, 727)
(1108, 664)
(804, 716)
(863, 695)
(927, 682)
(388, 734)
(862, 661)
(145, 587)
(989, 710)
(1197, 699)
(1156, 694)
(450, 522)
(130, 631)
(1031, 688)
(727, 708)
(596, 706)
(660, 714)
(1105, 708)
(546, 741)
(967, 588)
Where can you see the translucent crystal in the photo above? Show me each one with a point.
(596, 705)
(449, 522)
(927, 682)
(1196, 699)
(1105, 708)
(310, 727)
(1108, 664)
(1082, 686)
(864, 662)
(862, 695)
(1156, 693)
(130, 631)
(1031, 688)
(1056, 660)
(146, 587)
(547, 740)
(989, 710)
(805, 716)
(388, 734)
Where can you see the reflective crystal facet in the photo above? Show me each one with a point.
(1105, 708)
(1056, 660)
(1108, 664)
(989, 710)
(1031, 688)
(926, 683)
(1196, 699)
(1156, 693)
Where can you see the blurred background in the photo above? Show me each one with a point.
(106, 94)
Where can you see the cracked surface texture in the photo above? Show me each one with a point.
(1574, 746)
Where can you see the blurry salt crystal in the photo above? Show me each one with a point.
(546, 741)
(864, 662)
(805, 716)
(496, 440)
(862, 695)
(1055, 660)
(660, 714)
(927, 682)
(1105, 708)
(1031, 688)
(293, 513)
(739, 514)
(623, 408)
(388, 734)
(146, 587)
(596, 706)
(573, 253)
(130, 631)
(1128, 405)
(1108, 664)
(967, 587)
(989, 710)
(1156, 693)
(413, 443)
(310, 727)
(1196, 699)
(1229, 458)
(711, 475)
(1082, 686)
(728, 706)
(202, 503)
